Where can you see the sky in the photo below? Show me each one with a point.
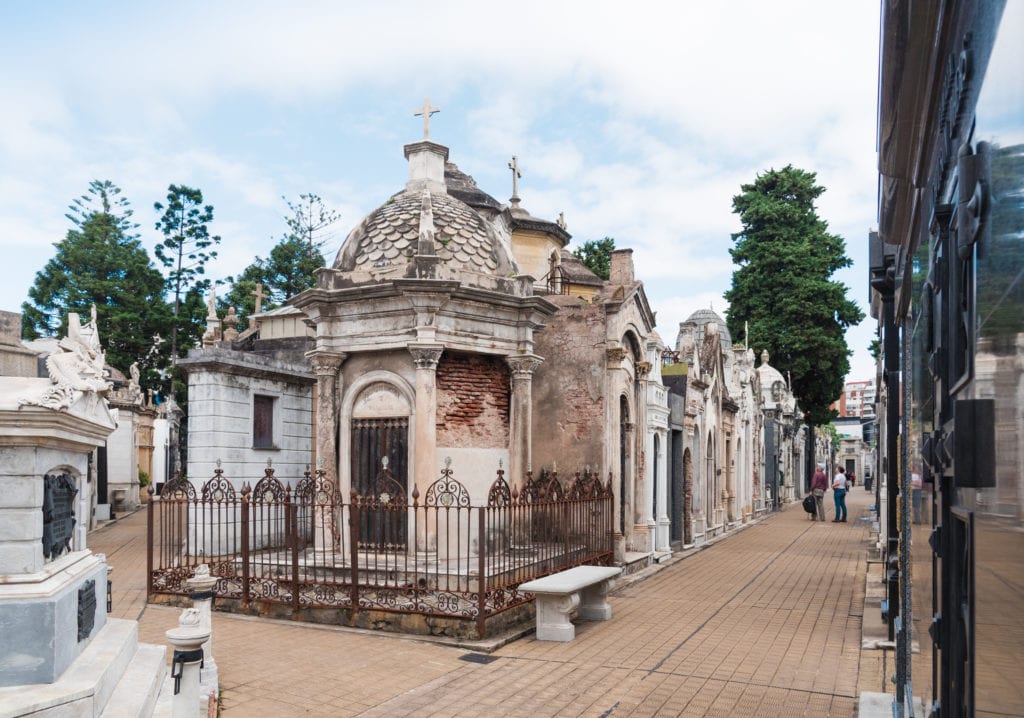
(640, 121)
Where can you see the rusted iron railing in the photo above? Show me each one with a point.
(300, 546)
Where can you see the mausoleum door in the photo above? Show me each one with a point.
(382, 486)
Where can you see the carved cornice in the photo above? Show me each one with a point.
(522, 367)
(326, 363)
(426, 356)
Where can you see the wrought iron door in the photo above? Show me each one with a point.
(379, 451)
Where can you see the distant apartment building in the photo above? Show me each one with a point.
(857, 400)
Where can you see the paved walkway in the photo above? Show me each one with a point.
(766, 622)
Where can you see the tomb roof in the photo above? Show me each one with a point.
(389, 234)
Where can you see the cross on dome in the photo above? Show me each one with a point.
(516, 175)
(425, 112)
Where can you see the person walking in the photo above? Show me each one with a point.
(819, 484)
(839, 494)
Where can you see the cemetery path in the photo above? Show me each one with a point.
(766, 622)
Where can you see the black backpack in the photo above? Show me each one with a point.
(809, 505)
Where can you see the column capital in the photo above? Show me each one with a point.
(326, 363)
(643, 369)
(426, 356)
(522, 366)
(615, 356)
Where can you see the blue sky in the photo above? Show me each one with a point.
(640, 121)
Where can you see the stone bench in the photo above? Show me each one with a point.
(582, 587)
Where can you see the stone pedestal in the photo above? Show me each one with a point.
(52, 589)
(187, 639)
(202, 600)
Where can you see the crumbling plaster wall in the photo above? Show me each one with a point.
(568, 388)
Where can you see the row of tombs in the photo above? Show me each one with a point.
(452, 326)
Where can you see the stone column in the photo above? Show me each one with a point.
(521, 415)
(642, 496)
(426, 357)
(613, 459)
(202, 596)
(327, 366)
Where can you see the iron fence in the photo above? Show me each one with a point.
(301, 546)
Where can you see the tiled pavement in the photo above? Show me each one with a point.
(766, 622)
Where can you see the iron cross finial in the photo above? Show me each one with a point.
(425, 112)
(516, 175)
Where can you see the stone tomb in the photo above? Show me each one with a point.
(59, 654)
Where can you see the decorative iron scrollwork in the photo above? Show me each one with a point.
(218, 488)
(447, 491)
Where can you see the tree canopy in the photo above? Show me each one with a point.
(290, 268)
(101, 261)
(597, 255)
(185, 251)
(783, 286)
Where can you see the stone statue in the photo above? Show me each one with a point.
(76, 367)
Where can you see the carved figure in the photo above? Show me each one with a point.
(77, 366)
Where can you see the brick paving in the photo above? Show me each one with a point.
(766, 622)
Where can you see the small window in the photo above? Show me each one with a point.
(262, 422)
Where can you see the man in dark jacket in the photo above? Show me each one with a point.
(819, 485)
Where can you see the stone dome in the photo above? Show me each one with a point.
(708, 316)
(463, 239)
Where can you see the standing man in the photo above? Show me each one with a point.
(839, 494)
(819, 483)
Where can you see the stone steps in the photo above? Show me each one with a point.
(86, 686)
(136, 693)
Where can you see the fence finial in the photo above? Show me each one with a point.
(319, 462)
(218, 463)
(501, 464)
(384, 463)
(447, 462)
(270, 462)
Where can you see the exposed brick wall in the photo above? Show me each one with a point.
(472, 401)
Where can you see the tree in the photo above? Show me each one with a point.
(293, 261)
(597, 255)
(101, 262)
(185, 251)
(783, 287)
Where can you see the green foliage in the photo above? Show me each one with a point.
(783, 287)
(101, 262)
(293, 261)
(143, 478)
(875, 348)
(185, 252)
(597, 255)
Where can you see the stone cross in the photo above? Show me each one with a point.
(426, 111)
(258, 293)
(516, 175)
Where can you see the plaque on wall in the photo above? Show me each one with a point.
(86, 609)
(58, 514)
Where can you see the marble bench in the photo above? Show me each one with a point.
(582, 587)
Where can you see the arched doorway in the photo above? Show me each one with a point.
(687, 498)
(379, 462)
(624, 432)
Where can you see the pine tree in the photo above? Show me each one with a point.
(783, 287)
(293, 261)
(185, 251)
(101, 262)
